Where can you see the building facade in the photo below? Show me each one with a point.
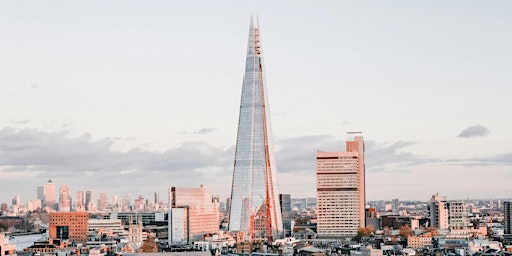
(201, 215)
(255, 208)
(438, 212)
(341, 190)
(458, 216)
(72, 226)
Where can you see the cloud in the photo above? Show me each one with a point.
(83, 162)
(201, 131)
(205, 131)
(474, 131)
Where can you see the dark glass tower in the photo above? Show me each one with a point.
(255, 208)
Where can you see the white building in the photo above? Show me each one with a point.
(341, 190)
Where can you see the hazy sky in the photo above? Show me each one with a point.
(136, 96)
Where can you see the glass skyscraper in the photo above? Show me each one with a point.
(255, 208)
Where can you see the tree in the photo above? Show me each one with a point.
(362, 232)
(149, 245)
(405, 231)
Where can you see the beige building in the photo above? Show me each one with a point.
(416, 242)
(341, 190)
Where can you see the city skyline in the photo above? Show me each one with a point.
(127, 97)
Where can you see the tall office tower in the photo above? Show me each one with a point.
(80, 201)
(458, 215)
(438, 212)
(40, 193)
(286, 213)
(255, 209)
(16, 201)
(395, 204)
(88, 200)
(200, 214)
(102, 202)
(64, 199)
(507, 220)
(49, 194)
(341, 190)
(139, 203)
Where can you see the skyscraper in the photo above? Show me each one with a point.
(507, 220)
(49, 194)
(64, 199)
(341, 190)
(255, 209)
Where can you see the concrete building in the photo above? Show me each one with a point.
(341, 190)
(438, 212)
(201, 215)
(5, 247)
(72, 226)
(458, 216)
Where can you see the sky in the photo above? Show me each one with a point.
(132, 97)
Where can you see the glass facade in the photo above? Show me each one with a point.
(255, 208)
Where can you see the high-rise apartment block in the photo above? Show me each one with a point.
(200, 214)
(340, 181)
(255, 209)
(438, 211)
(458, 215)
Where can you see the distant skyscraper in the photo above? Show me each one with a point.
(286, 212)
(102, 202)
(80, 201)
(507, 220)
(64, 199)
(255, 206)
(49, 194)
(341, 190)
(40, 193)
(88, 200)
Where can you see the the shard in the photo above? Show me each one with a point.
(255, 209)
